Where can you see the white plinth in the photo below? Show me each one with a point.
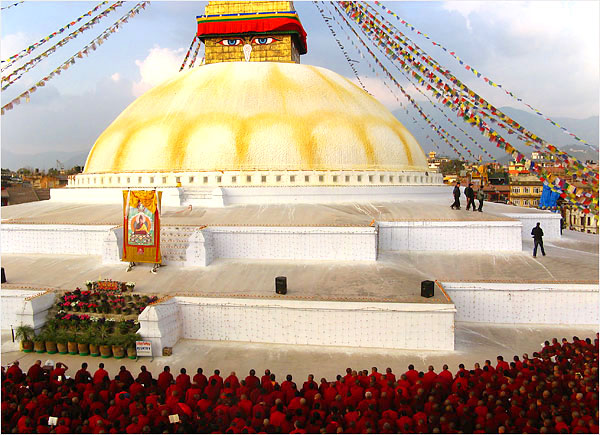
(25, 307)
(327, 323)
(564, 304)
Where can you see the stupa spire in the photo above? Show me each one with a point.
(252, 31)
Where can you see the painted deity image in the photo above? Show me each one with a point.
(141, 228)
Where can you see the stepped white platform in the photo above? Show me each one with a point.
(351, 266)
(231, 297)
(196, 236)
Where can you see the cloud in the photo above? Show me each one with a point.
(464, 8)
(12, 44)
(544, 52)
(158, 66)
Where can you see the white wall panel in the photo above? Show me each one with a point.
(549, 222)
(53, 239)
(295, 243)
(355, 324)
(17, 310)
(567, 304)
(450, 236)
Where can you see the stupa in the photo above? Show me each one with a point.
(268, 167)
(254, 116)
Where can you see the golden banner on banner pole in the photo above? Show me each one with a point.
(141, 226)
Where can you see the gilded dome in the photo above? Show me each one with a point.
(255, 116)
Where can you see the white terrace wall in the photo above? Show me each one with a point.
(556, 304)
(53, 239)
(24, 307)
(326, 323)
(549, 222)
(294, 243)
(450, 236)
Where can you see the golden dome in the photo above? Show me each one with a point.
(255, 116)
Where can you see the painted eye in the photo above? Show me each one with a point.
(264, 41)
(231, 42)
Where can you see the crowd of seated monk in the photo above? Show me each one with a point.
(553, 391)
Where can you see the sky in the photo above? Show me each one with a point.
(547, 53)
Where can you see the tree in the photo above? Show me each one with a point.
(452, 167)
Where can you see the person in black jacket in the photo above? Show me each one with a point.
(537, 234)
(470, 194)
(456, 193)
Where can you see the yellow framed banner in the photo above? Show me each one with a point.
(141, 226)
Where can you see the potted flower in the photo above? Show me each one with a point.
(130, 285)
(61, 342)
(130, 340)
(89, 284)
(25, 333)
(72, 343)
(39, 343)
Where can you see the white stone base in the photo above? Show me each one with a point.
(563, 304)
(326, 323)
(24, 307)
(450, 236)
(294, 243)
(549, 222)
(233, 195)
(53, 239)
(195, 246)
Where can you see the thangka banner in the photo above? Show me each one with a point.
(141, 226)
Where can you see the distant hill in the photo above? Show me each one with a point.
(42, 161)
(587, 129)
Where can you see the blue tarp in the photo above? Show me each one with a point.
(548, 198)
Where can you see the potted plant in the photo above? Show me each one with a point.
(83, 342)
(130, 340)
(39, 343)
(130, 286)
(50, 335)
(61, 342)
(94, 343)
(25, 333)
(103, 336)
(72, 343)
(118, 346)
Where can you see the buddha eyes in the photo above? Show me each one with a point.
(231, 42)
(264, 41)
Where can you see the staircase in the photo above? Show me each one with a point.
(174, 241)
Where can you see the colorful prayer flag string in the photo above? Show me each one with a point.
(481, 76)
(187, 55)
(11, 5)
(42, 41)
(30, 64)
(447, 94)
(99, 40)
(350, 63)
(372, 25)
